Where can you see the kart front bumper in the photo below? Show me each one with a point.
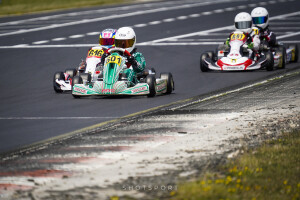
(119, 88)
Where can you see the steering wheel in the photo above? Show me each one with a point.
(126, 53)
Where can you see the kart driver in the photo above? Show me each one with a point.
(106, 41)
(243, 23)
(136, 63)
(260, 19)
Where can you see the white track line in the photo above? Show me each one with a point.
(115, 16)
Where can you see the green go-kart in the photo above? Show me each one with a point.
(114, 81)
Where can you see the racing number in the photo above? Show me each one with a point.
(255, 31)
(95, 53)
(237, 36)
(114, 59)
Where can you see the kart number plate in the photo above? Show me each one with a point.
(114, 59)
(237, 36)
(95, 53)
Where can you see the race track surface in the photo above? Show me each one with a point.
(170, 34)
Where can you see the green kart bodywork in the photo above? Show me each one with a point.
(113, 84)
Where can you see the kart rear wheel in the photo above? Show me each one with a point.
(203, 64)
(72, 72)
(170, 81)
(59, 76)
(269, 63)
(76, 80)
(151, 81)
(295, 55)
(282, 51)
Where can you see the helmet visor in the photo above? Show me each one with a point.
(259, 20)
(106, 41)
(124, 43)
(243, 25)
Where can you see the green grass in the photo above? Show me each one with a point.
(17, 7)
(270, 172)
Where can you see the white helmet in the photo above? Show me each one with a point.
(243, 22)
(125, 38)
(260, 17)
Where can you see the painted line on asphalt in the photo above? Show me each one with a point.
(214, 30)
(115, 16)
(53, 118)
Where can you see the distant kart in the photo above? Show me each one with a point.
(114, 82)
(62, 81)
(283, 55)
(236, 58)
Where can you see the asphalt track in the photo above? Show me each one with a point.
(170, 34)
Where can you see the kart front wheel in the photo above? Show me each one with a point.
(269, 63)
(56, 86)
(170, 81)
(203, 64)
(151, 81)
(72, 72)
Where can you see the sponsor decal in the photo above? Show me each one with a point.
(77, 89)
(161, 87)
(108, 91)
(139, 89)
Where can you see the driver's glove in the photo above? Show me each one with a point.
(133, 62)
(250, 45)
(103, 58)
(227, 41)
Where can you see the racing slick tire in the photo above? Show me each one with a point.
(269, 63)
(212, 55)
(76, 80)
(151, 81)
(295, 55)
(72, 72)
(86, 77)
(203, 64)
(282, 51)
(59, 76)
(170, 81)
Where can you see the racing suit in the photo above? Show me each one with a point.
(93, 59)
(252, 43)
(267, 35)
(136, 63)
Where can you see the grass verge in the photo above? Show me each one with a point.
(18, 7)
(270, 172)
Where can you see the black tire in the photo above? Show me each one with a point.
(151, 81)
(296, 56)
(72, 72)
(59, 76)
(86, 77)
(170, 81)
(203, 64)
(282, 51)
(76, 80)
(269, 63)
(211, 55)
